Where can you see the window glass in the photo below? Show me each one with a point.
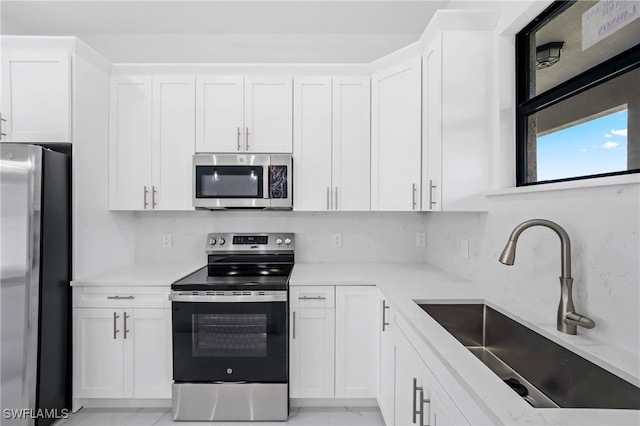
(578, 93)
(590, 33)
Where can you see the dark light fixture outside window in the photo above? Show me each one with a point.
(548, 54)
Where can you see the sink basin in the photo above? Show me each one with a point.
(544, 373)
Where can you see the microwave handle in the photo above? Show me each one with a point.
(265, 182)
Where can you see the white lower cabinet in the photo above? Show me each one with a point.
(121, 351)
(419, 398)
(387, 359)
(332, 340)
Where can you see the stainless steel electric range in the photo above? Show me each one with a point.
(230, 331)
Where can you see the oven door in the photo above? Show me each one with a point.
(230, 338)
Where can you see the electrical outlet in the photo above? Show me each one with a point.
(337, 240)
(421, 239)
(166, 240)
(464, 249)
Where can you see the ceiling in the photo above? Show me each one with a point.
(240, 31)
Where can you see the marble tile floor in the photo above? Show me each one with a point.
(307, 416)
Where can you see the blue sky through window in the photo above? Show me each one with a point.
(589, 148)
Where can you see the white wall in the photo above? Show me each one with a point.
(603, 223)
(367, 237)
(102, 240)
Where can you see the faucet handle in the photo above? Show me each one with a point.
(572, 318)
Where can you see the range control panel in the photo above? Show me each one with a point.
(260, 242)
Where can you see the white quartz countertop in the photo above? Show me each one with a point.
(404, 283)
(140, 274)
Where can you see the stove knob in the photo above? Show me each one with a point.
(212, 241)
(279, 241)
(287, 241)
(221, 241)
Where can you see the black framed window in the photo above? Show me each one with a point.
(578, 92)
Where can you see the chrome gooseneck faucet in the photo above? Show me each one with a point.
(568, 319)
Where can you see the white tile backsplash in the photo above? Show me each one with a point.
(366, 236)
(604, 227)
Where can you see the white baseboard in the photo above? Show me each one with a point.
(333, 402)
(120, 403)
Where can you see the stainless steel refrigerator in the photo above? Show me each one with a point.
(35, 234)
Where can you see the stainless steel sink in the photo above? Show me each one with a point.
(544, 373)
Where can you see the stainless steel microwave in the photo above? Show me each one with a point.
(223, 181)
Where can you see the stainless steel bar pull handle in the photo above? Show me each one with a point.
(384, 315)
(328, 198)
(246, 138)
(239, 147)
(422, 402)
(115, 324)
(145, 197)
(121, 297)
(335, 206)
(153, 197)
(413, 195)
(293, 326)
(126, 316)
(431, 187)
(415, 411)
(311, 297)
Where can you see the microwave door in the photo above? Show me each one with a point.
(230, 186)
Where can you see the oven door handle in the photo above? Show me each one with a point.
(197, 298)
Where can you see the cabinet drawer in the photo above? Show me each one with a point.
(121, 297)
(313, 297)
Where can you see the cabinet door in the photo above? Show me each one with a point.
(355, 342)
(351, 153)
(150, 344)
(36, 97)
(268, 117)
(432, 129)
(312, 144)
(173, 142)
(130, 144)
(387, 353)
(396, 137)
(219, 114)
(98, 357)
(467, 116)
(312, 353)
(409, 381)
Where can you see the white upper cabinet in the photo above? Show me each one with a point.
(36, 97)
(312, 144)
(331, 144)
(396, 137)
(458, 81)
(244, 114)
(173, 136)
(219, 114)
(130, 143)
(151, 142)
(351, 148)
(268, 114)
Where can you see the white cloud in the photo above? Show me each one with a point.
(619, 132)
(609, 145)
(583, 150)
(607, 135)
